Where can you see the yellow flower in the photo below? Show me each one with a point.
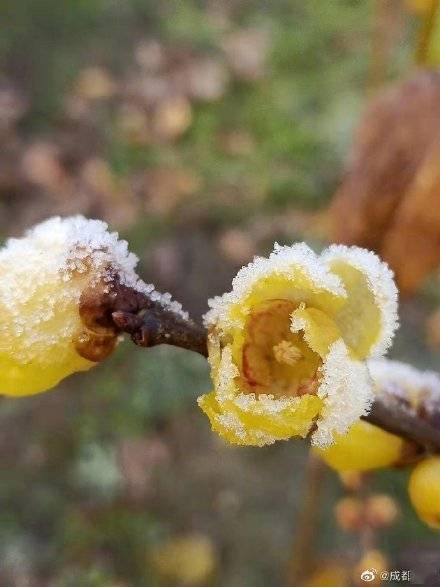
(189, 559)
(287, 346)
(51, 282)
(424, 491)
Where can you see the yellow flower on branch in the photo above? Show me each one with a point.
(52, 284)
(287, 346)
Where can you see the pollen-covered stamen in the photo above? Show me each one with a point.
(275, 360)
(286, 352)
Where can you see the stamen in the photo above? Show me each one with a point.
(286, 352)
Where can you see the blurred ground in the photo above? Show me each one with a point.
(203, 132)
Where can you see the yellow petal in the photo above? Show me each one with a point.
(257, 422)
(368, 318)
(320, 331)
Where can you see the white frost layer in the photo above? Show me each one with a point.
(380, 280)
(282, 261)
(227, 371)
(347, 391)
(59, 246)
(406, 382)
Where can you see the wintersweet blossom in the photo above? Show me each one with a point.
(44, 277)
(288, 344)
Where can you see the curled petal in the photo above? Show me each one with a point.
(320, 331)
(368, 319)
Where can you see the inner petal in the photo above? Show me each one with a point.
(274, 359)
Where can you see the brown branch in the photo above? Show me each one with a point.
(158, 326)
(397, 419)
(150, 323)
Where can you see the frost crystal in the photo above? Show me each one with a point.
(283, 261)
(407, 383)
(62, 246)
(347, 392)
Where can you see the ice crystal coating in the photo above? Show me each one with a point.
(42, 278)
(339, 375)
(283, 261)
(288, 344)
(406, 383)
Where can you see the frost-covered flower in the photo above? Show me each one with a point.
(288, 344)
(45, 278)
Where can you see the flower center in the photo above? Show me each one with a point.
(274, 359)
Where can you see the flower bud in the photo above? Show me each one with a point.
(380, 510)
(55, 285)
(189, 559)
(363, 448)
(349, 513)
(351, 480)
(424, 491)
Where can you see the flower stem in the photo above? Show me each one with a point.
(160, 326)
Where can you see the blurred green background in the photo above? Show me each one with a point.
(202, 131)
